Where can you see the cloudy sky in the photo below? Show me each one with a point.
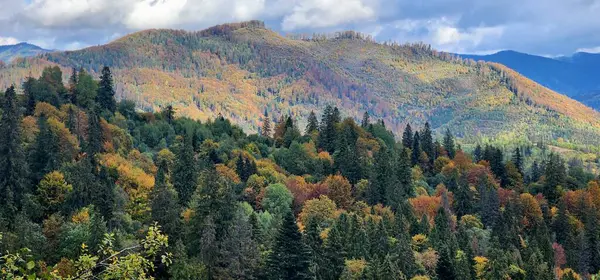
(545, 27)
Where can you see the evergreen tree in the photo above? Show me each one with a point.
(72, 89)
(29, 88)
(477, 153)
(105, 97)
(517, 159)
(365, 120)
(45, 154)
(95, 139)
(327, 131)
(333, 251)
(185, 174)
(407, 137)
(13, 169)
(555, 174)
(313, 123)
(416, 150)
(266, 126)
(445, 269)
(165, 207)
(104, 195)
(381, 177)
(290, 258)
(97, 231)
(449, 143)
(427, 142)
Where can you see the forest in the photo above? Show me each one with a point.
(91, 188)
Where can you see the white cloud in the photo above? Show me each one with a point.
(589, 50)
(444, 34)
(84, 13)
(327, 13)
(155, 13)
(8, 41)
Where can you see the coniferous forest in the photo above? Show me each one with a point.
(91, 188)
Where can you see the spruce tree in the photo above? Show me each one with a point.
(95, 139)
(165, 207)
(266, 126)
(517, 159)
(416, 150)
(105, 97)
(449, 143)
(407, 137)
(365, 120)
(29, 89)
(185, 174)
(13, 169)
(313, 123)
(427, 142)
(445, 269)
(290, 257)
(45, 154)
(333, 252)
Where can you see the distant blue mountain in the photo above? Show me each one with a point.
(10, 52)
(577, 76)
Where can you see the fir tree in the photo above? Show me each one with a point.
(407, 137)
(416, 150)
(185, 174)
(427, 142)
(164, 205)
(45, 154)
(105, 97)
(445, 269)
(313, 123)
(266, 126)
(477, 153)
(365, 120)
(290, 258)
(449, 143)
(13, 169)
(517, 159)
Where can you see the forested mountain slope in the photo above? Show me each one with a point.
(10, 52)
(576, 75)
(242, 70)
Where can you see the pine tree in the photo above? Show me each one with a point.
(517, 159)
(365, 120)
(333, 252)
(29, 88)
(477, 154)
(449, 143)
(327, 131)
(556, 175)
(164, 205)
(445, 269)
(45, 154)
(427, 142)
(266, 127)
(72, 89)
(185, 174)
(407, 137)
(105, 97)
(104, 195)
(416, 150)
(95, 139)
(313, 123)
(87, 89)
(13, 169)
(290, 258)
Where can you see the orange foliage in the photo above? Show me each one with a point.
(228, 173)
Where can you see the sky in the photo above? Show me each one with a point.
(543, 27)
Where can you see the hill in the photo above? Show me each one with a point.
(575, 76)
(242, 70)
(10, 52)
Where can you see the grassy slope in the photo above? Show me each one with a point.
(240, 70)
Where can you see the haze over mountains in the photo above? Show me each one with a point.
(577, 76)
(242, 70)
(10, 52)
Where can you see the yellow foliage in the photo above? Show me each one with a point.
(43, 108)
(82, 216)
(480, 266)
(228, 173)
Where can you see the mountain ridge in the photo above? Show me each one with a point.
(23, 49)
(575, 75)
(241, 70)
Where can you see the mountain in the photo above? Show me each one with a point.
(242, 70)
(576, 76)
(10, 52)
